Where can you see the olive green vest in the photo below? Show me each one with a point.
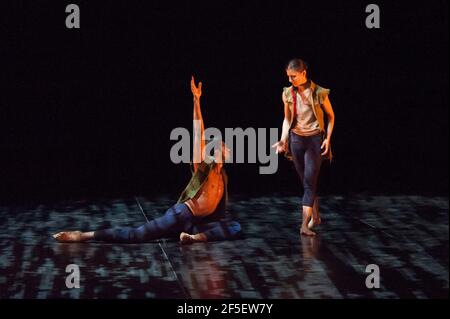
(318, 94)
(199, 178)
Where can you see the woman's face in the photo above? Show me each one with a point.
(296, 78)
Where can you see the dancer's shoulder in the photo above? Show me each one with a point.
(320, 91)
(287, 94)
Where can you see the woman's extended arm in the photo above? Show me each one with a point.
(280, 146)
(330, 114)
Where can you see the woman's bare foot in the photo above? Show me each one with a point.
(307, 218)
(186, 238)
(315, 220)
(69, 236)
(305, 231)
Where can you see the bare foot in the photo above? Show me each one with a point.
(305, 231)
(186, 238)
(307, 219)
(315, 220)
(69, 236)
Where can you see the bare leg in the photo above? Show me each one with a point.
(73, 236)
(186, 238)
(307, 215)
(315, 220)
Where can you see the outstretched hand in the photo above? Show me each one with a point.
(325, 146)
(196, 90)
(279, 147)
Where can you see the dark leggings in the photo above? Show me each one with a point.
(177, 219)
(307, 160)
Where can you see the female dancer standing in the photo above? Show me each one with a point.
(305, 139)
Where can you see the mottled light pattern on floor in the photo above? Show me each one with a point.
(406, 236)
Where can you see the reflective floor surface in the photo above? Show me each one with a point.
(405, 236)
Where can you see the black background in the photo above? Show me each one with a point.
(88, 112)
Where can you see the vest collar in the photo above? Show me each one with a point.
(312, 86)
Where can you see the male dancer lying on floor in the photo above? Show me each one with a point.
(199, 214)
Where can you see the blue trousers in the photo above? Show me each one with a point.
(307, 161)
(177, 219)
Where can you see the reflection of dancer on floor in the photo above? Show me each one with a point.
(304, 135)
(199, 215)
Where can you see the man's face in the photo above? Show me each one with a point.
(296, 78)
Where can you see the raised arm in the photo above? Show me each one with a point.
(199, 129)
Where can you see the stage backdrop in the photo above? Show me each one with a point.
(89, 111)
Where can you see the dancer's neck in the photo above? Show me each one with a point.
(304, 86)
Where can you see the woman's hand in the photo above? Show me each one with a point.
(279, 147)
(326, 145)
(196, 91)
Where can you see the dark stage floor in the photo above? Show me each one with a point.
(406, 236)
